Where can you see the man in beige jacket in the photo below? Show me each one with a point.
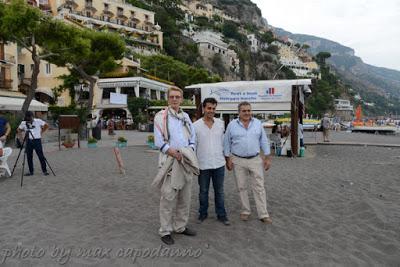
(175, 137)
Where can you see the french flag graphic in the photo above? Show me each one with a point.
(271, 91)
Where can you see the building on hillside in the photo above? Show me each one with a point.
(48, 79)
(255, 44)
(200, 8)
(111, 94)
(136, 25)
(210, 43)
(8, 68)
(343, 109)
(289, 57)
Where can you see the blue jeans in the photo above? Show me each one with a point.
(35, 144)
(217, 176)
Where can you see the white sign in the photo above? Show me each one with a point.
(252, 94)
(120, 99)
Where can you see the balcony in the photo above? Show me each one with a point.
(344, 107)
(71, 3)
(121, 16)
(6, 83)
(89, 7)
(103, 21)
(107, 12)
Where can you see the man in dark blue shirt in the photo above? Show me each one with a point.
(5, 129)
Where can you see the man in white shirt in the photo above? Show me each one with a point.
(34, 140)
(210, 154)
(173, 131)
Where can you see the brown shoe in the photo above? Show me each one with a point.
(266, 220)
(244, 217)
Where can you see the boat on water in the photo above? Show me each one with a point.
(359, 125)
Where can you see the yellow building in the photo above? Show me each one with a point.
(136, 25)
(47, 79)
(8, 68)
(200, 8)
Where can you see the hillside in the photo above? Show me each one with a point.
(364, 76)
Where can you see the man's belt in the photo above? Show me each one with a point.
(250, 157)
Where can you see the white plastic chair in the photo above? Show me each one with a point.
(3, 161)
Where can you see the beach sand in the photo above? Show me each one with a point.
(337, 206)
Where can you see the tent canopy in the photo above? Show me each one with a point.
(15, 104)
(265, 96)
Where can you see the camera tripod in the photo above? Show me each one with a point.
(26, 137)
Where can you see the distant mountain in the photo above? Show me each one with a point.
(361, 76)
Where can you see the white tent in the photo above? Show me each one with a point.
(15, 104)
(264, 96)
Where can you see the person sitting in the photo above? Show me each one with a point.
(285, 140)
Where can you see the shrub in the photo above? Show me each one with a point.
(150, 138)
(92, 140)
(122, 139)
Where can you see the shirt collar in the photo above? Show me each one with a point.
(241, 124)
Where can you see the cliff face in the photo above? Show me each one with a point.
(245, 10)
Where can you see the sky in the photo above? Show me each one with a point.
(370, 27)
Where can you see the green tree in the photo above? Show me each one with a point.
(321, 57)
(168, 68)
(87, 52)
(230, 30)
(25, 25)
(267, 37)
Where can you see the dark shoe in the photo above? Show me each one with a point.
(46, 173)
(225, 221)
(202, 218)
(167, 239)
(28, 174)
(188, 232)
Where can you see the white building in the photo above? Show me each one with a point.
(253, 42)
(344, 109)
(112, 93)
(210, 43)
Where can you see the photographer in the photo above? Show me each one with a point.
(34, 142)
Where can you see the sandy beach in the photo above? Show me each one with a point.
(338, 206)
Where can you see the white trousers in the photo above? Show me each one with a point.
(250, 171)
(174, 207)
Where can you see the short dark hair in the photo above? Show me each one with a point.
(244, 103)
(210, 100)
(28, 115)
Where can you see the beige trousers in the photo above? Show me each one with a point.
(177, 201)
(253, 170)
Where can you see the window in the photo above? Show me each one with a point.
(107, 91)
(162, 95)
(21, 68)
(209, 46)
(143, 92)
(130, 91)
(146, 17)
(32, 67)
(48, 68)
(153, 94)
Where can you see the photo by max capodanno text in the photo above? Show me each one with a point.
(63, 255)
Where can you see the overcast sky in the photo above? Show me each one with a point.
(370, 27)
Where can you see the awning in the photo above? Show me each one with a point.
(15, 104)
